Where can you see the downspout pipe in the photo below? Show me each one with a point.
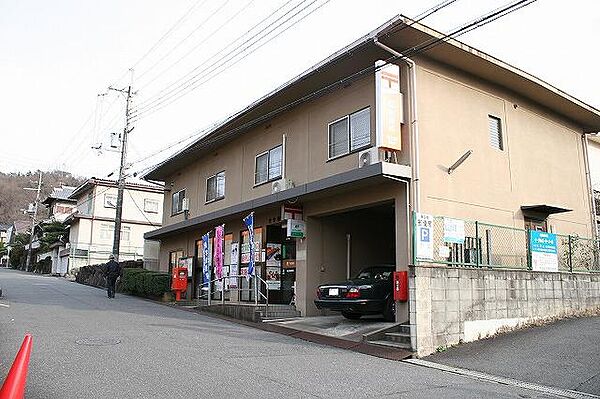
(588, 179)
(413, 125)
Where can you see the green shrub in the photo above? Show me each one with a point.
(146, 283)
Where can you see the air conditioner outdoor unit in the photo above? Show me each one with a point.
(281, 185)
(376, 155)
(185, 205)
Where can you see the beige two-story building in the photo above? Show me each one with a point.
(353, 146)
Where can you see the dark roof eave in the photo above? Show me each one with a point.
(342, 179)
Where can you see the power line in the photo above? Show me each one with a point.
(241, 38)
(200, 25)
(427, 45)
(200, 132)
(141, 211)
(204, 40)
(163, 37)
(215, 71)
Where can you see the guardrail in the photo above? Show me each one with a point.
(205, 292)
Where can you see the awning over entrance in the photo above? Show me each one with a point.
(542, 211)
(347, 180)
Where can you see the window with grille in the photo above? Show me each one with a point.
(268, 165)
(215, 187)
(495, 130)
(350, 133)
(177, 202)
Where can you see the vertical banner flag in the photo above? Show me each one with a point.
(218, 250)
(249, 222)
(205, 261)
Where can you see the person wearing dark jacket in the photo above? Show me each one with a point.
(111, 273)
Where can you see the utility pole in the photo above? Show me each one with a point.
(119, 210)
(35, 208)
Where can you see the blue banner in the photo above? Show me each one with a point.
(205, 261)
(249, 222)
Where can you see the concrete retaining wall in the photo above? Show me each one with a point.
(449, 305)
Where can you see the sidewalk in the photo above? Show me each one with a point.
(565, 354)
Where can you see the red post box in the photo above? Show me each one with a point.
(401, 286)
(179, 278)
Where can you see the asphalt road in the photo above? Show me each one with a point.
(89, 346)
(565, 354)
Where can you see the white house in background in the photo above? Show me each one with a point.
(59, 205)
(91, 226)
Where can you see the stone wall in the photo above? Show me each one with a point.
(449, 305)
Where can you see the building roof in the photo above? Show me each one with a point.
(129, 185)
(61, 193)
(402, 34)
(5, 226)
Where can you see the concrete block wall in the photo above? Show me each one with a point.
(449, 305)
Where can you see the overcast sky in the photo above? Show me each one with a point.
(57, 56)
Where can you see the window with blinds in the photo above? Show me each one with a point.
(350, 133)
(215, 187)
(495, 130)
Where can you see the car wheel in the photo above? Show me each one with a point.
(351, 316)
(389, 313)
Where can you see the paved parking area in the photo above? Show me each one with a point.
(565, 354)
(337, 326)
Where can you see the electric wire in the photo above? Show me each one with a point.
(418, 18)
(244, 42)
(198, 27)
(215, 71)
(198, 45)
(427, 45)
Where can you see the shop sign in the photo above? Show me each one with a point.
(291, 212)
(296, 228)
(424, 236)
(388, 106)
(454, 231)
(544, 251)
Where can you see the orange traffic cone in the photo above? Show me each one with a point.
(14, 384)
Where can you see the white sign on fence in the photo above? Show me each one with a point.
(454, 231)
(424, 236)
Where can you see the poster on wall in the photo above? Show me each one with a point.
(273, 255)
(544, 251)
(424, 236)
(454, 231)
(187, 262)
(245, 246)
(233, 268)
(273, 278)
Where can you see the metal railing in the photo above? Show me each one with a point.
(488, 245)
(205, 290)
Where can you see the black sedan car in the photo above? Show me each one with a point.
(370, 292)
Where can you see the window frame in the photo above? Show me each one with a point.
(146, 200)
(173, 212)
(500, 132)
(217, 198)
(268, 154)
(349, 149)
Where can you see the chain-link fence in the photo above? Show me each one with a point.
(456, 242)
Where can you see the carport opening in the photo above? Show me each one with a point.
(357, 239)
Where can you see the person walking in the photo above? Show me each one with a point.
(111, 273)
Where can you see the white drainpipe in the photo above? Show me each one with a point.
(588, 178)
(413, 126)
